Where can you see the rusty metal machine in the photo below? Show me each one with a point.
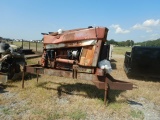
(11, 62)
(76, 54)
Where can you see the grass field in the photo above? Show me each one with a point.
(32, 45)
(121, 50)
(80, 99)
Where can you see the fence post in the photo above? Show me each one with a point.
(36, 46)
(22, 43)
(29, 44)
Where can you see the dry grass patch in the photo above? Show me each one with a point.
(121, 50)
(66, 99)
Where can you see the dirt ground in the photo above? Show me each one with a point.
(149, 107)
(80, 99)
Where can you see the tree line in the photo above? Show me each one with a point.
(152, 43)
(121, 43)
(130, 43)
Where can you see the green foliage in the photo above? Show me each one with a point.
(78, 115)
(122, 43)
(112, 41)
(6, 111)
(137, 114)
(1, 38)
(54, 116)
(152, 43)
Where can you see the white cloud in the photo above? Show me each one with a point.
(147, 25)
(151, 22)
(119, 29)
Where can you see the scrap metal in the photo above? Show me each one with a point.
(76, 54)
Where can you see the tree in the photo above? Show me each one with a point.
(112, 41)
(1, 38)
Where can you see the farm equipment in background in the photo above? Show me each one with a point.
(11, 62)
(78, 54)
(142, 61)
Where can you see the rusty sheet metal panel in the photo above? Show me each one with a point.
(60, 73)
(86, 70)
(86, 57)
(3, 78)
(97, 53)
(71, 44)
(68, 74)
(84, 34)
(80, 69)
(100, 82)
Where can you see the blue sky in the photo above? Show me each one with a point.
(137, 20)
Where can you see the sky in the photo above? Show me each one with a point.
(137, 20)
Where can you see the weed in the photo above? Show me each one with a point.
(115, 106)
(137, 114)
(6, 111)
(53, 116)
(78, 115)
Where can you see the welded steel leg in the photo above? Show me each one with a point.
(106, 90)
(23, 73)
(37, 75)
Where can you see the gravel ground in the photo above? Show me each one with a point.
(149, 109)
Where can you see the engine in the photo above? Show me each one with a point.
(11, 61)
(81, 47)
(64, 57)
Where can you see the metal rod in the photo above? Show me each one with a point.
(37, 75)
(23, 76)
(105, 93)
(65, 60)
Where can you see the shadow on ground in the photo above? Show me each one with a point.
(28, 76)
(144, 78)
(131, 102)
(113, 64)
(3, 87)
(79, 88)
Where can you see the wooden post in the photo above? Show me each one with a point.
(22, 43)
(29, 44)
(36, 46)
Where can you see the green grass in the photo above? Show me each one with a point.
(54, 116)
(121, 50)
(32, 45)
(6, 111)
(137, 114)
(78, 115)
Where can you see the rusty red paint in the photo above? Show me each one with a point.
(76, 55)
(97, 80)
(65, 61)
(96, 53)
(83, 34)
